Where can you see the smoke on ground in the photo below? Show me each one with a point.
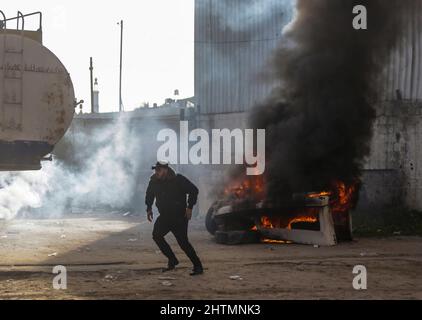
(104, 171)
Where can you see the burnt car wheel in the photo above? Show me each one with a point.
(210, 223)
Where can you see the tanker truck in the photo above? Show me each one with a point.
(37, 100)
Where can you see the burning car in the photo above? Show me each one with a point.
(245, 215)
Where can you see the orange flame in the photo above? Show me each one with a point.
(321, 194)
(252, 187)
(302, 219)
(266, 223)
(346, 197)
(271, 241)
(342, 197)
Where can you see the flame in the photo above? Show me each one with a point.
(302, 219)
(271, 241)
(252, 187)
(345, 197)
(321, 194)
(266, 223)
(342, 196)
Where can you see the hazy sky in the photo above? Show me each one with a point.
(158, 51)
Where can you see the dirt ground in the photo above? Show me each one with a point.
(114, 257)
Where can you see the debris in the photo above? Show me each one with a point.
(109, 277)
(167, 283)
(316, 246)
(236, 278)
(127, 214)
(53, 254)
(133, 240)
(63, 236)
(166, 278)
(157, 251)
(397, 233)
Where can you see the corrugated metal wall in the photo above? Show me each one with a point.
(232, 47)
(404, 71)
(233, 42)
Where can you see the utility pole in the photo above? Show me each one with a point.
(91, 69)
(121, 59)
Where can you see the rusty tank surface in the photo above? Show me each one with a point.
(37, 100)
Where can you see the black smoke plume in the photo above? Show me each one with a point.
(319, 119)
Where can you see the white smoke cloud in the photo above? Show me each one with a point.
(20, 190)
(111, 159)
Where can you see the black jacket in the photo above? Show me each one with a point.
(170, 195)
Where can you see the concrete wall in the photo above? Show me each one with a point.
(393, 172)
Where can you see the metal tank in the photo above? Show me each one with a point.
(37, 100)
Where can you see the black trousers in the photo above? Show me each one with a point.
(179, 228)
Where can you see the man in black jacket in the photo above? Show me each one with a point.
(169, 191)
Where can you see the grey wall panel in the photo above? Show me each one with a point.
(404, 71)
(233, 42)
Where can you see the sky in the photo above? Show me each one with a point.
(158, 46)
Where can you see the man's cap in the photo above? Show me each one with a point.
(160, 164)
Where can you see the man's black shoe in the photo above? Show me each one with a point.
(171, 266)
(197, 271)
